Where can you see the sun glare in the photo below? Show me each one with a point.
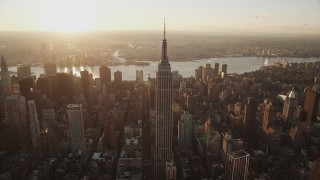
(68, 16)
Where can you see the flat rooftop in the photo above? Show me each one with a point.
(238, 154)
(74, 106)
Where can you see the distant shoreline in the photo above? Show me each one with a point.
(147, 62)
(186, 69)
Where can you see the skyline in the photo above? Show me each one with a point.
(221, 99)
(234, 17)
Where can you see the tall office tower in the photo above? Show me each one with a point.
(24, 71)
(92, 96)
(267, 115)
(105, 74)
(76, 125)
(210, 72)
(196, 74)
(139, 76)
(164, 116)
(85, 81)
(23, 113)
(237, 165)
(191, 103)
(110, 136)
(47, 143)
(185, 131)
(118, 77)
(44, 85)
(62, 86)
(26, 87)
(207, 133)
(76, 85)
(152, 96)
(34, 123)
(98, 84)
(15, 85)
(224, 69)
(50, 68)
(205, 73)
(216, 68)
(16, 111)
(231, 144)
(248, 119)
(49, 117)
(200, 72)
(311, 105)
(211, 91)
(5, 78)
(289, 106)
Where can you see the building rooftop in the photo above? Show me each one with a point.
(96, 155)
(74, 106)
(292, 95)
(238, 154)
(11, 97)
(133, 141)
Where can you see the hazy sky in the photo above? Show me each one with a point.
(271, 16)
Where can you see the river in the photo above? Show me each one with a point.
(186, 69)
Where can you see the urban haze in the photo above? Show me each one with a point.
(114, 90)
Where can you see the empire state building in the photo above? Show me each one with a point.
(163, 142)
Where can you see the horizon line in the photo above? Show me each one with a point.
(172, 31)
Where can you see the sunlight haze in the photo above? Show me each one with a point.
(234, 16)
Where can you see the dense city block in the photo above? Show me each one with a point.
(212, 124)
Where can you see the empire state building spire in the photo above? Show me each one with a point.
(164, 54)
(164, 114)
(164, 28)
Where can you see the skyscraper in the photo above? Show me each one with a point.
(15, 85)
(224, 69)
(15, 107)
(62, 80)
(105, 74)
(110, 133)
(139, 76)
(205, 72)
(34, 123)
(47, 143)
(267, 116)
(5, 78)
(289, 106)
(185, 131)
(75, 116)
(249, 110)
(237, 165)
(216, 68)
(311, 104)
(85, 79)
(48, 116)
(118, 77)
(248, 119)
(26, 86)
(44, 84)
(24, 71)
(50, 68)
(164, 116)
